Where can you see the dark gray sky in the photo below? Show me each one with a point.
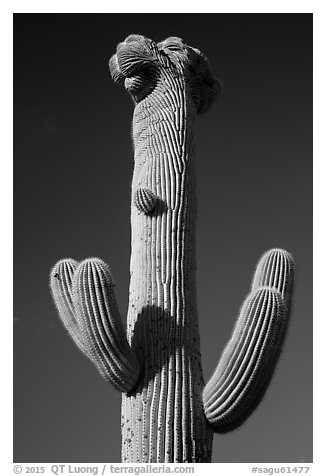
(72, 174)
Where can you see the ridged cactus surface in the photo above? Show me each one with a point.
(167, 413)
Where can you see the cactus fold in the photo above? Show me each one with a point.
(167, 414)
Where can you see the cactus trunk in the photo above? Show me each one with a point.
(163, 419)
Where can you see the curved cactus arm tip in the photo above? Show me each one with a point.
(84, 296)
(61, 276)
(276, 269)
(249, 359)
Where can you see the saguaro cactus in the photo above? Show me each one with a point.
(167, 413)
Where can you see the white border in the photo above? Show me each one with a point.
(96, 6)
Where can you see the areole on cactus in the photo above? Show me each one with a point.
(168, 414)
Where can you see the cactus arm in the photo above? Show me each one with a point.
(249, 359)
(85, 299)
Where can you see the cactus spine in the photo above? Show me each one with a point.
(167, 413)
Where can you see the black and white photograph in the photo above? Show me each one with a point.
(163, 238)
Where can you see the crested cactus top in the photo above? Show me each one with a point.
(139, 62)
